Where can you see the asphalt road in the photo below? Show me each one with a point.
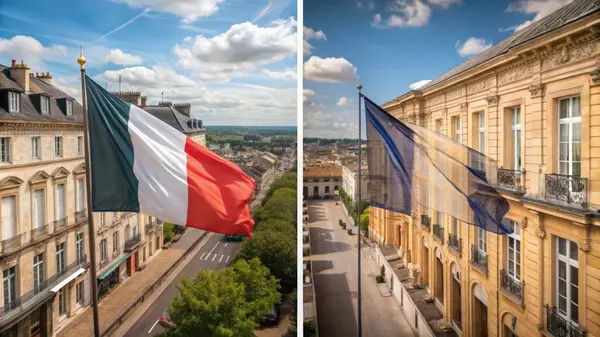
(215, 254)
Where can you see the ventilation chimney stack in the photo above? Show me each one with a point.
(20, 73)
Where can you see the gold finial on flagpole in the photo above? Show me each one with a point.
(81, 59)
(359, 86)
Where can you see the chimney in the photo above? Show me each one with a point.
(144, 100)
(165, 103)
(183, 108)
(46, 77)
(133, 97)
(20, 73)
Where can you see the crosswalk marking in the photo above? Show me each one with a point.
(214, 257)
(201, 256)
(221, 259)
(227, 259)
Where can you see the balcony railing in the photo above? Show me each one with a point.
(512, 286)
(153, 225)
(38, 233)
(81, 216)
(479, 259)
(426, 222)
(566, 189)
(510, 179)
(455, 243)
(12, 244)
(60, 224)
(438, 233)
(38, 294)
(132, 242)
(558, 326)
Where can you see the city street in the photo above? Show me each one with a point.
(215, 254)
(335, 273)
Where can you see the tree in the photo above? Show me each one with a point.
(364, 220)
(261, 288)
(276, 225)
(293, 329)
(168, 230)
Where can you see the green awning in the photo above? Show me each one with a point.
(113, 267)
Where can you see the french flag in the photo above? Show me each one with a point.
(141, 164)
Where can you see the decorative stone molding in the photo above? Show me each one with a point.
(541, 233)
(10, 182)
(492, 98)
(523, 223)
(39, 177)
(456, 93)
(478, 86)
(536, 87)
(40, 248)
(565, 55)
(515, 74)
(436, 99)
(464, 106)
(596, 74)
(11, 260)
(585, 246)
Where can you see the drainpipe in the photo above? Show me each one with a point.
(541, 234)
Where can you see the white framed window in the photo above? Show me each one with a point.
(569, 136)
(513, 251)
(5, 150)
(481, 131)
(115, 241)
(567, 279)
(79, 293)
(60, 201)
(14, 101)
(36, 147)
(9, 217)
(60, 257)
(457, 129)
(80, 192)
(516, 135)
(455, 229)
(439, 126)
(103, 251)
(62, 303)
(69, 105)
(38, 270)
(39, 211)
(45, 105)
(79, 144)
(58, 146)
(79, 247)
(481, 241)
(9, 285)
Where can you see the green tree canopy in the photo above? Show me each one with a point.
(261, 288)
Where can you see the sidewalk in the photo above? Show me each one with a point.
(130, 290)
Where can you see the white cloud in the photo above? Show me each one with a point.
(240, 49)
(188, 10)
(472, 46)
(329, 124)
(31, 51)
(264, 11)
(286, 75)
(311, 34)
(117, 56)
(412, 14)
(307, 93)
(418, 85)
(157, 76)
(443, 3)
(329, 69)
(540, 8)
(342, 101)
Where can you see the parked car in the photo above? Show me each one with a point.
(234, 237)
(273, 317)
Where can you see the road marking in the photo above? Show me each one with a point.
(227, 259)
(226, 244)
(221, 259)
(211, 251)
(214, 257)
(201, 256)
(149, 331)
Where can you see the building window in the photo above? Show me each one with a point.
(79, 293)
(103, 252)
(60, 257)
(36, 147)
(38, 271)
(9, 283)
(457, 129)
(69, 104)
(115, 242)
(58, 146)
(455, 226)
(439, 126)
(438, 218)
(80, 191)
(79, 144)
(14, 99)
(60, 201)
(516, 134)
(45, 105)
(127, 232)
(567, 279)
(38, 209)
(5, 150)
(481, 131)
(513, 251)
(481, 242)
(9, 217)
(569, 136)
(79, 247)
(62, 302)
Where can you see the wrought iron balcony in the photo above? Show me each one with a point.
(81, 216)
(153, 225)
(60, 224)
(38, 233)
(38, 294)
(558, 326)
(479, 259)
(426, 222)
(438, 233)
(455, 243)
(510, 179)
(12, 244)
(512, 287)
(566, 189)
(132, 242)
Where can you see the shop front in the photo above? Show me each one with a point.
(109, 278)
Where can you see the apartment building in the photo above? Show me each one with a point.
(532, 103)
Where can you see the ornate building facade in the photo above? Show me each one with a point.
(532, 103)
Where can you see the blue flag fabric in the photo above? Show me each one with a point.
(411, 166)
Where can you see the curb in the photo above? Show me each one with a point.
(389, 293)
(147, 291)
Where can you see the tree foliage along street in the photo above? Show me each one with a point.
(223, 303)
(364, 220)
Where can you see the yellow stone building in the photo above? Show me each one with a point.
(532, 103)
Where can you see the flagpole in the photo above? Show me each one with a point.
(88, 182)
(359, 87)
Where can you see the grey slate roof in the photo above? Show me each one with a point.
(174, 118)
(574, 11)
(28, 111)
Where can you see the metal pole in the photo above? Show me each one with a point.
(88, 182)
(359, 87)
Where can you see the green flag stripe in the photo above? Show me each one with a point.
(114, 185)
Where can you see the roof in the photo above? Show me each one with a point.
(572, 12)
(174, 118)
(322, 172)
(28, 110)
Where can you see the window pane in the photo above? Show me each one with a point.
(574, 312)
(576, 151)
(562, 245)
(563, 106)
(563, 151)
(573, 250)
(577, 169)
(563, 132)
(576, 132)
(575, 108)
(564, 168)
(562, 270)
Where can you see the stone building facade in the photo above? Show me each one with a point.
(532, 103)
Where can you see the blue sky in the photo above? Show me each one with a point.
(389, 45)
(234, 60)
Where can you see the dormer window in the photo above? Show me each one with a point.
(44, 105)
(69, 105)
(65, 105)
(14, 101)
